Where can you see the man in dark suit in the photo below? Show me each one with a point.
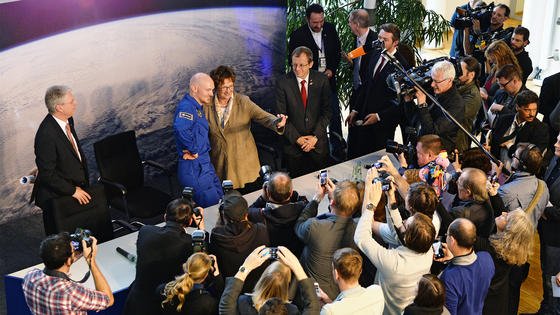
(376, 114)
(511, 129)
(548, 228)
(359, 25)
(321, 37)
(161, 253)
(61, 163)
(303, 95)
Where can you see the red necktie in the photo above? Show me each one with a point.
(303, 94)
(378, 70)
(71, 139)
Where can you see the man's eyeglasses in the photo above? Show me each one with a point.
(440, 81)
(226, 88)
(295, 66)
(503, 86)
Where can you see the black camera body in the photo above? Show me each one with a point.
(273, 253)
(199, 241)
(77, 237)
(409, 150)
(466, 17)
(187, 193)
(227, 186)
(385, 182)
(422, 75)
(266, 173)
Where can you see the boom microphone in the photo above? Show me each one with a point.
(126, 254)
(365, 48)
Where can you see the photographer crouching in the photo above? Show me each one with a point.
(51, 291)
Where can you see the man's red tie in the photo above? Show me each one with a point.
(303, 94)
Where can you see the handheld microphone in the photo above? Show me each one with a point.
(365, 48)
(126, 254)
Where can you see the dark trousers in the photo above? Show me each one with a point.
(335, 124)
(517, 275)
(306, 162)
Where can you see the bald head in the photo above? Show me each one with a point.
(201, 88)
(463, 231)
(279, 188)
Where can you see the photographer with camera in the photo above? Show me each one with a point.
(274, 283)
(457, 22)
(399, 269)
(325, 233)
(234, 237)
(432, 118)
(278, 208)
(51, 291)
(161, 253)
(482, 28)
(467, 276)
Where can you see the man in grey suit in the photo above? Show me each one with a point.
(549, 225)
(324, 234)
(303, 95)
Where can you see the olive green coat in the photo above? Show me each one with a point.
(233, 149)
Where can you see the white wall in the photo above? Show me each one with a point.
(545, 33)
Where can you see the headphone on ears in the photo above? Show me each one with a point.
(523, 157)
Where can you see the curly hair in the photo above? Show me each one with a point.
(513, 245)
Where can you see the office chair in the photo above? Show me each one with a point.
(122, 174)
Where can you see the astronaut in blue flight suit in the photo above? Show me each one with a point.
(193, 145)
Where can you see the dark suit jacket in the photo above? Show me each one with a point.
(303, 37)
(60, 169)
(161, 252)
(313, 120)
(534, 132)
(364, 67)
(550, 95)
(548, 229)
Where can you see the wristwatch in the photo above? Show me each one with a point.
(423, 105)
(370, 206)
(242, 269)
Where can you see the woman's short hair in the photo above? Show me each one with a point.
(221, 73)
(274, 282)
(422, 198)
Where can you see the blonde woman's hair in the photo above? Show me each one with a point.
(274, 282)
(195, 271)
(514, 244)
(503, 56)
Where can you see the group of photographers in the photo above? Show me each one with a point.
(482, 237)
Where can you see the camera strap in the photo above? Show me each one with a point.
(59, 274)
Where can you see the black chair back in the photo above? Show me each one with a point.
(118, 160)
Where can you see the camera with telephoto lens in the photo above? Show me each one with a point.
(199, 241)
(77, 237)
(485, 39)
(409, 150)
(385, 182)
(227, 186)
(266, 173)
(466, 17)
(422, 75)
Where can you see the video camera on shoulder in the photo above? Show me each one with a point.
(466, 17)
(421, 74)
(77, 237)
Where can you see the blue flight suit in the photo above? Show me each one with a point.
(191, 133)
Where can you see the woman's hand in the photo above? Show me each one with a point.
(253, 261)
(282, 122)
(288, 258)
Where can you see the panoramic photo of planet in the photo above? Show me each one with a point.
(129, 74)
